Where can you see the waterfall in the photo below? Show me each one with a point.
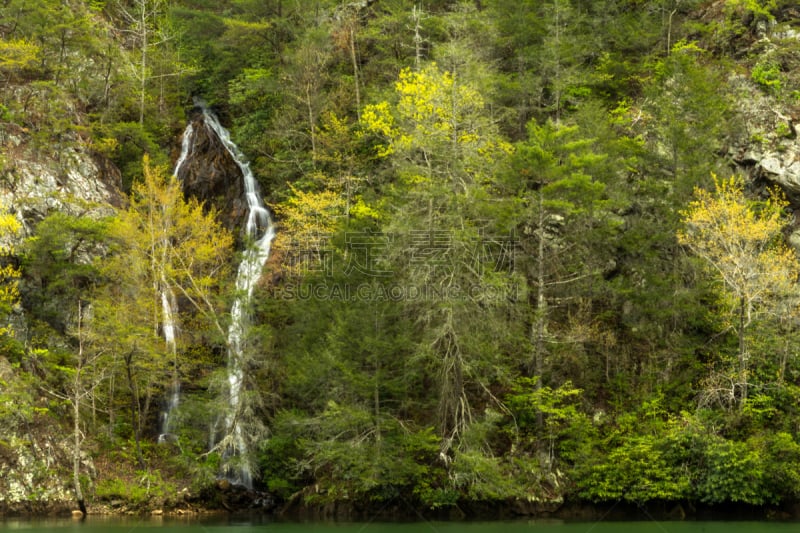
(259, 232)
(169, 309)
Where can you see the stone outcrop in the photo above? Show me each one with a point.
(211, 175)
(33, 475)
(768, 149)
(37, 180)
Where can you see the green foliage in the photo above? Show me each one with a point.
(17, 401)
(59, 265)
(636, 471)
(682, 457)
(760, 9)
(734, 473)
(527, 185)
(131, 142)
(18, 58)
(146, 486)
(767, 75)
(351, 456)
(689, 113)
(557, 408)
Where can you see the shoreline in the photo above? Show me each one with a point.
(401, 510)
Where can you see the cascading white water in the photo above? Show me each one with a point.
(259, 232)
(186, 148)
(169, 309)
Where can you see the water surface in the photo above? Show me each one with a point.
(116, 525)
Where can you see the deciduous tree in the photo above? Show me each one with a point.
(9, 273)
(163, 244)
(741, 242)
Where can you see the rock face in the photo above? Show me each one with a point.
(35, 460)
(32, 476)
(210, 174)
(771, 150)
(36, 180)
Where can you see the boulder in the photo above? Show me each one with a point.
(784, 170)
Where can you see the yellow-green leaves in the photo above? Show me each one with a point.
(378, 119)
(437, 106)
(17, 55)
(308, 219)
(741, 241)
(167, 242)
(438, 116)
(9, 274)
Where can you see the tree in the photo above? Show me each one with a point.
(163, 244)
(59, 262)
(17, 56)
(82, 374)
(60, 265)
(442, 146)
(688, 114)
(308, 74)
(564, 215)
(151, 37)
(741, 242)
(545, 49)
(68, 41)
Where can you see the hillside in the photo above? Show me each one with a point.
(527, 254)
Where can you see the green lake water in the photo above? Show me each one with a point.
(531, 526)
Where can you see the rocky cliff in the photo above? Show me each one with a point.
(42, 171)
(36, 180)
(767, 148)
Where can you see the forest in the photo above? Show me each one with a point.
(526, 252)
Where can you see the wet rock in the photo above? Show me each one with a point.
(211, 175)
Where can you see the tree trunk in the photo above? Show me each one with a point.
(76, 453)
(742, 350)
(136, 415)
(539, 326)
(540, 322)
(76, 418)
(354, 59)
(310, 109)
(143, 73)
(416, 15)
